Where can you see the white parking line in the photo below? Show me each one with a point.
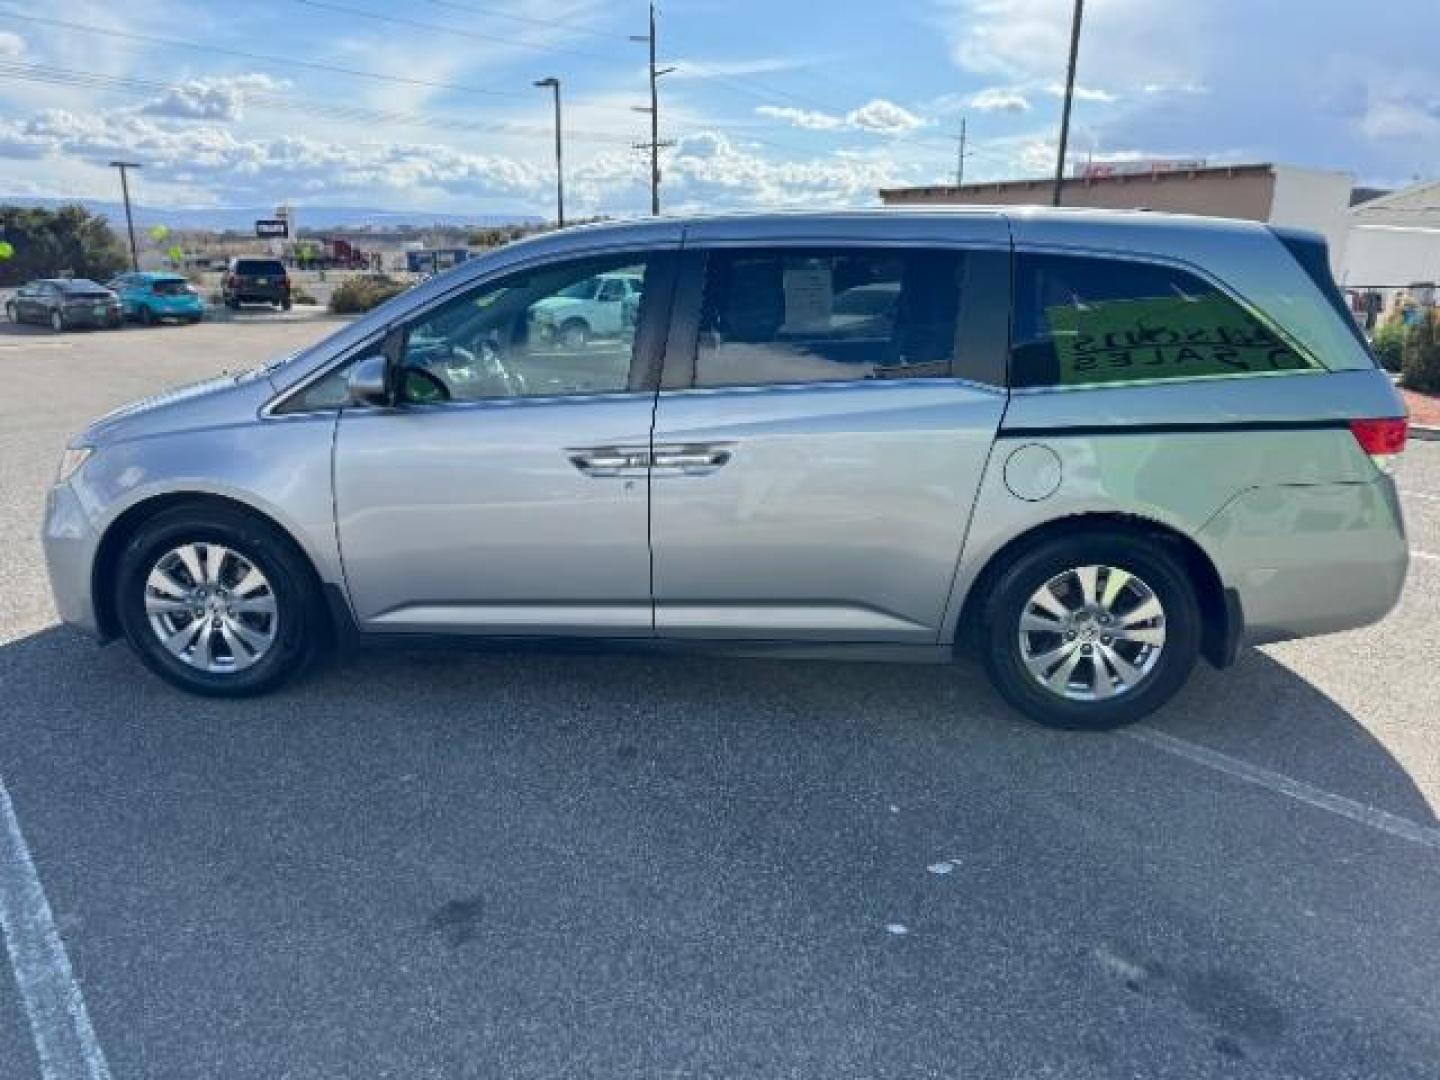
(1362, 813)
(1425, 555)
(64, 1040)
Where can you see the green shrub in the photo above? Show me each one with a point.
(1390, 344)
(363, 293)
(1421, 370)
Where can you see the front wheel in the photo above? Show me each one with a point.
(1091, 631)
(217, 603)
(574, 334)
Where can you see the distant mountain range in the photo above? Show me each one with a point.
(243, 218)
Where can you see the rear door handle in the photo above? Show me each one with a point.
(689, 460)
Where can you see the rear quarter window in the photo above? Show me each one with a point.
(1084, 321)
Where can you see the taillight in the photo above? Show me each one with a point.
(1383, 440)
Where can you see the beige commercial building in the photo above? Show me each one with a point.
(1276, 194)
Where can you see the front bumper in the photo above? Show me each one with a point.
(1311, 559)
(70, 543)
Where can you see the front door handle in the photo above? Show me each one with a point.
(603, 461)
(690, 460)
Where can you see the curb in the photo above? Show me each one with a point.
(1425, 433)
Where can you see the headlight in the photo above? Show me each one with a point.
(71, 460)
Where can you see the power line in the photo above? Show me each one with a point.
(313, 65)
(269, 100)
(400, 20)
(549, 24)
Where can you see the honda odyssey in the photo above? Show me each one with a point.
(1088, 447)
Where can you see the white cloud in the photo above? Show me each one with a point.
(708, 169)
(210, 99)
(810, 119)
(1000, 99)
(725, 69)
(207, 159)
(11, 44)
(884, 117)
(879, 117)
(1082, 93)
(1390, 118)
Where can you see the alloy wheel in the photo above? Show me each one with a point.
(1092, 633)
(211, 607)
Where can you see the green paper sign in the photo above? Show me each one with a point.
(1166, 337)
(7, 250)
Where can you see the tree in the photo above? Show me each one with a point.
(51, 243)
(1422, 355)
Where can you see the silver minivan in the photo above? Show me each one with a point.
(1086, 446)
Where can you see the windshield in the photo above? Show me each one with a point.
(170, 287)
(581, 290)
(82, 285)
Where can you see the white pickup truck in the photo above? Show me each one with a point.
(603, 306)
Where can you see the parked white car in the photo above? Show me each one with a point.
(600, 306)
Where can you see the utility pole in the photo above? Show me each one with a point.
(124, 166)
(1069, 98)
(960, 157)
(654, 145)
(554, 84)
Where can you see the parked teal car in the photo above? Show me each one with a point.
(152, 297)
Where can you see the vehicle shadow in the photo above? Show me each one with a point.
(450, 863)
(57, 681)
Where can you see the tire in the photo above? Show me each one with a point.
(574, 334)
(147, 317)
(284, 305)
(1091, 699)
(57, 321)
(296, 630)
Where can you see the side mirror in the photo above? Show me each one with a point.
(368, 383)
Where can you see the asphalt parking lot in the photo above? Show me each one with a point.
(449, 865)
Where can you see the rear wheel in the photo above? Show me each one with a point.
(217, 603)
(1092, 631)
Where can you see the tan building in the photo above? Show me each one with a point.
(1276, 194)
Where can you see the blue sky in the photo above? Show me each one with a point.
(772, 103)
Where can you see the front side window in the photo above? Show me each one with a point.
(800, 316)
(1089, 321)
(562, 329)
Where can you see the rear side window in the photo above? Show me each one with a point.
(1087, 321)
(802, 315)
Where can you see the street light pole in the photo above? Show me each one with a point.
(554, 84)
(1069, 97)
(124, 166)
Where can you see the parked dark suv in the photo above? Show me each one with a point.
(256, 281)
